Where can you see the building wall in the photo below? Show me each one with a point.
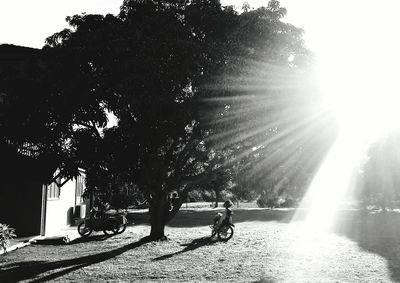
(25, 203)
(62, 211)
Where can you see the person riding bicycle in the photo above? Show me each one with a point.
(228, 212)
(223, 228)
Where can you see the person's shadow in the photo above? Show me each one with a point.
(24, 270)
(195, 244)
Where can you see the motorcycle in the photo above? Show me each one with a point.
(223, 229)
(110, 224)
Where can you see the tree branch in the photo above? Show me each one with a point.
(186, 152)
(89, 126)
(182, 197)
(208, 173)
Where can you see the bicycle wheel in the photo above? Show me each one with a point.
(84, 230)
(111, 226)
(225, 233)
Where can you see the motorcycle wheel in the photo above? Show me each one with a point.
(213, 231)
(84, 230)
(111, 226)
(225, 232)
(121, 229)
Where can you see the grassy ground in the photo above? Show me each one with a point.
(266, 247)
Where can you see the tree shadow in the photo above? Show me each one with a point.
(195, 244)
(377, 233)
(95, 238)
(265, 280)
(60, 241)
(26, 270)
(189, 218)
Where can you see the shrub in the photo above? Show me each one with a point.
(289, 202)
(6, 234)
(267, 202)
(261, 203)
(195, 195)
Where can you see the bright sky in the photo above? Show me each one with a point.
(346, 35)
(29, 23)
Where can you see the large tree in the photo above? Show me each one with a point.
(165, 69)
(196, 88)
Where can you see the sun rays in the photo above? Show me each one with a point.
(277, 124)
(316, 126)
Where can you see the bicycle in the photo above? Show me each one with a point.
(223, 229)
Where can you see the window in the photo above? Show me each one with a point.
(53, 190)
(79, 188)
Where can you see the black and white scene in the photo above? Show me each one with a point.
(199, 141)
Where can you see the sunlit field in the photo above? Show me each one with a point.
(305, 135)
(361, 247)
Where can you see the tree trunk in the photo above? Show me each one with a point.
(158, 214)
(182, 197)
(217, 194)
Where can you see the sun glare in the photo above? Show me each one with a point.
(332, 181)
(358, 69)
(358, 61)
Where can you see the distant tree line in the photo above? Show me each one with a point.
(378, 181)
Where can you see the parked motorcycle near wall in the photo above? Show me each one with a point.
(110, 224)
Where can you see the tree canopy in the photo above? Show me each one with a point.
(197, 89)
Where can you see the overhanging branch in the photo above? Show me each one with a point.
(91, 127)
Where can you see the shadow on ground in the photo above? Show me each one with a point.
(377, 233)
(195, 218)
(26, 270)
(265, 280)
(95, 238)
(60, 241)
(195, 244)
